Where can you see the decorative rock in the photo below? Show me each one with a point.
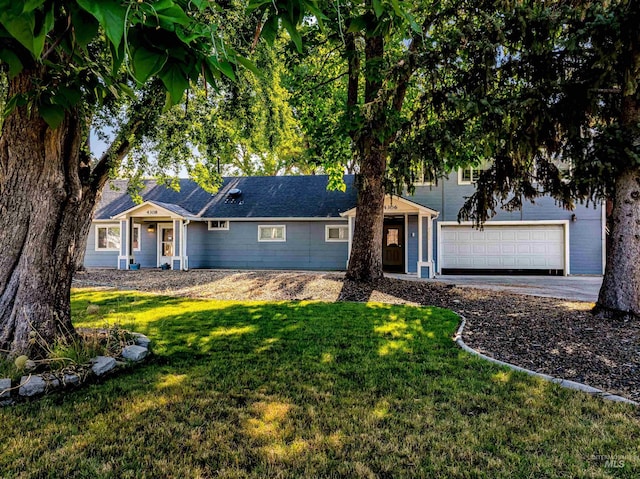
(134, 353)
(141, 340)
(5, 393)
(31, 385)
(71, 379)
(102, 365)
(36, 384)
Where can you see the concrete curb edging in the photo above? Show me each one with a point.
(561, 382)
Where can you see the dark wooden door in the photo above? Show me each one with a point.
(393, 248)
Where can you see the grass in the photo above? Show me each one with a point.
(306, 389)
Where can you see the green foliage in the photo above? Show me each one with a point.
(540, 90)
(246, 127)
(318, 78)
(81, 47)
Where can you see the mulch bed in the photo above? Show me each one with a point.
(552, 336)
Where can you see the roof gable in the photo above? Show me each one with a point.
(399, 204)
(155, 209)
(186, 202)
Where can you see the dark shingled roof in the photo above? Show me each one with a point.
(115, 199)
(261, 197)
(281, 197)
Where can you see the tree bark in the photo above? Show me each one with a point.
(620, 292)
(365, 262)
(45, 215)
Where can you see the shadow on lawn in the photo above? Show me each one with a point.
(297, 389)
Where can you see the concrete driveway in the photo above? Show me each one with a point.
(577, 288)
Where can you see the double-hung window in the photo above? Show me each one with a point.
(272, 233)
(107, 238)
(470, 174)
(424, 177)
(217, 225)
(336, 233)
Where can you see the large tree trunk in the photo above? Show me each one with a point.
(620, 291)
(45, 215)
(365, 262)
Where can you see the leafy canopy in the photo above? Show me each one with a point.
(89, 49)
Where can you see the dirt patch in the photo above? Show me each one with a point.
(552, 336)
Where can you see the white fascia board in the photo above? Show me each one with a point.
(506, 223)
(163, 212)
(411, 207)
(278, 218)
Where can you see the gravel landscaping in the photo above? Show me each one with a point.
(552, 336)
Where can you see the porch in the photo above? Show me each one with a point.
(153, 235)
(407, 242)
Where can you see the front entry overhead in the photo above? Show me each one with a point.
(407, 240)
(534, 248)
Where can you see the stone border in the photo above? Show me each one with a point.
(565, 383)
(33, 385)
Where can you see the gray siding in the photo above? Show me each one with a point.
(238, 247)
(585, 245)
(585, 234)
(98, 259)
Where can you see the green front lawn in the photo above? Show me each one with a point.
(306, 389)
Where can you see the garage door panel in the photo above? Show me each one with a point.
(503, 247)
(539, 249)
(537, 235)
(523, 248)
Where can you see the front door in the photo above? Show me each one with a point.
(166, 245)
(393, 247)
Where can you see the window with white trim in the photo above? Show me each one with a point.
(565, 167)
(218, 225)
(470, 174)
(424, 177)
(135, 241)
(272, 233)
(336, 233)
(107, 238)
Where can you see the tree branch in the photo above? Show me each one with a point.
(354, 76)
(145, 112)
(321, 84)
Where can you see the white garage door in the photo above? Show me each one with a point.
(496, 247)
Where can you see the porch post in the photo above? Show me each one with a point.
(185, 258)
(350, 239)
(420, 258)
(124, 259)
(176, 259)
(430, 246)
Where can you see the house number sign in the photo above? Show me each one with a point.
(152, 212)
